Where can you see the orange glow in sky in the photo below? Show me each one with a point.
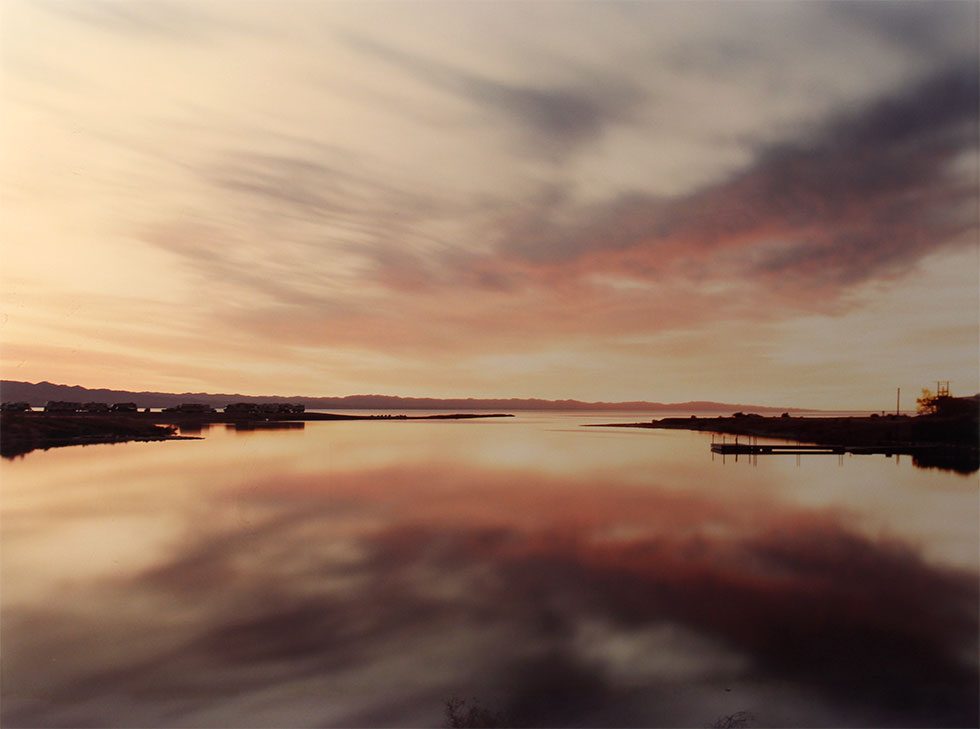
(771, 203)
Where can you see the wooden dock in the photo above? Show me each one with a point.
(767, 449)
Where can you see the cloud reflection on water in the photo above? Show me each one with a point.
(369, 597)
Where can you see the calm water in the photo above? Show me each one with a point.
(362, 573)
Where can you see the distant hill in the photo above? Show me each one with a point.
(41, 392)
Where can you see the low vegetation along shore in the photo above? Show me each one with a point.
(24, 431)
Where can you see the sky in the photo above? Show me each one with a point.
(773, 203)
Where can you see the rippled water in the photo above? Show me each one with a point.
(363, 573)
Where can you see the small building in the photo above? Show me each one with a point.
(124, 407)
(195, 408)
(264, 409)
(62, 407)
(241, 408)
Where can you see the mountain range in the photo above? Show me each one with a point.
(38, 393)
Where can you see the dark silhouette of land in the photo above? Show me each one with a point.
(38, 394)
(22, 433)
(945, 438)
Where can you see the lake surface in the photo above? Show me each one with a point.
(363, 573)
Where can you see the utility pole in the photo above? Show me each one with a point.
(898, 400)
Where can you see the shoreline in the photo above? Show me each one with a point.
(949, 442)
(21, 433)
(870, 430)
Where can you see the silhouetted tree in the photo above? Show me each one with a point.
(945, 405)
(927, 403)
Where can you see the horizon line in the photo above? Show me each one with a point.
(466, 398)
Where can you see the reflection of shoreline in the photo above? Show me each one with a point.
(25, 432)
(245, 426)
(241, 426)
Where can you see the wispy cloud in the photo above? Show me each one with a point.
(554, 120)
(173, 20)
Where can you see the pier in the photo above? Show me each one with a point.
(767, 450)
(795, 449)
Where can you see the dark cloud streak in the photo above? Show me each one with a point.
(868, 194)
(934, 30)
(556, 120)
